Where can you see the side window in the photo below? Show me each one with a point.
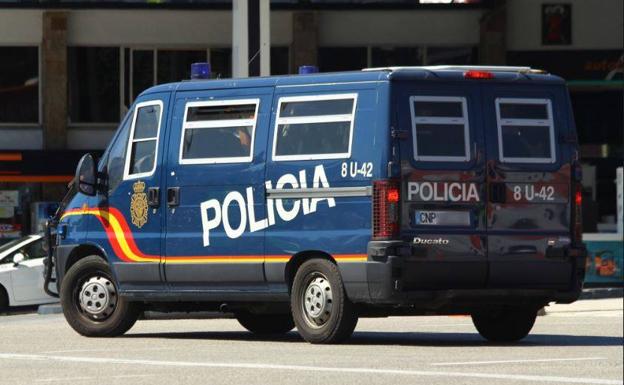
(314, 127)
(219, 131)
(440, 130)
(526, 132)
(33, 250)
(142, 151)
(117, 155)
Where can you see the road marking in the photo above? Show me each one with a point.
(66, 379)
(516, 361)
(314, 369)
(108, 350)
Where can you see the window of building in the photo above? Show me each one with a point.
(525, 130)
(314, 127)
(396, 56)
(342, 58)
(93, 84)
(19, 85)
(220, 131)
(280, 61)
(175, 65)
(451, 55)
(440, 128)
(142, 152)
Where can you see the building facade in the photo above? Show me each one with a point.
(68, 73)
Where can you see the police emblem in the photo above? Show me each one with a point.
(138, 204)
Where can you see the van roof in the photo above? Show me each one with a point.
(382, 74)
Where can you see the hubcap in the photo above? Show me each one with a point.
(98, 297)
(317, 301)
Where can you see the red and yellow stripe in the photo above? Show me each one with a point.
(122, 241)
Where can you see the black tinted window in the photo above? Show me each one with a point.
(526, 141)
(317, 108)
(313, 138)
(142, 157)
(438, 109)
(440, 128)
(523, 111)
(219, 142)
(217, 131)
(244, 111)
(435, 140)
(526, 130)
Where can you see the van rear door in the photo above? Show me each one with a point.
(529, 183)
(443, 184)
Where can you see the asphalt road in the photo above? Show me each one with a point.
(580, 343)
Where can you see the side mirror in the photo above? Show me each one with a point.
(18, 258)
(85, 180)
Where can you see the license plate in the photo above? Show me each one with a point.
(441, 218)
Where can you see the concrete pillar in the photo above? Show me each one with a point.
(54, 82)
(240, 39)
(492, 45)
(304, 48)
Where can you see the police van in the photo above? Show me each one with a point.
(312, 200)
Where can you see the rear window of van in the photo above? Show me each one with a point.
(440, 130)
(525, 130)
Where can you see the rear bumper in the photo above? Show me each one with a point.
(389, 277)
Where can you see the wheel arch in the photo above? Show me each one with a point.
(81, 251)
(298, 259)
(4, 292)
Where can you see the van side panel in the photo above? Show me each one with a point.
(340, 225)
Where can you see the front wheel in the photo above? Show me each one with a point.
(505, 325)
(266, 323)
(319, 304)
(90, 301)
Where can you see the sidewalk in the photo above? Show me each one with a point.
(606, 306)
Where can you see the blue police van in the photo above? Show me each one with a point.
(312, 200)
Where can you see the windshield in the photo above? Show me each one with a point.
(10, 244)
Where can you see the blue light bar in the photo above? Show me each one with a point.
(200, 71)
(304, 70)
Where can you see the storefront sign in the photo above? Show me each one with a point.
(556, 24)
(9, 198)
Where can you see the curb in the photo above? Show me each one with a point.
(54, 308)
(599, 293)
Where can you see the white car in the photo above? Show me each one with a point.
(21, 273)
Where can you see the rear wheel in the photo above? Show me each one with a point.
(266, 323)
(505, 325)
(320, 307)
(90, 301)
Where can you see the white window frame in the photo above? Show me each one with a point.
(440, 120)
(500, 122)
(338, 118)
(219, 124)
(131, 140)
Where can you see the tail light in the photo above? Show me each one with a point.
(472, 74)
(386, 199)
(577, 213)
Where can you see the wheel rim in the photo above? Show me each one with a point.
(317, 300)
(97, 298)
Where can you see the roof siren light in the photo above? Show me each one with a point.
(304, 70)
(200, 71)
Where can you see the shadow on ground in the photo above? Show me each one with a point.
(396, 338)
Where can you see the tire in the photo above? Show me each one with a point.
(266, 323)
(318, 285)
(505, 325)
(4, 300)
(108, 317)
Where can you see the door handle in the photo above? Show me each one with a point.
(153, 197)
(173, 196)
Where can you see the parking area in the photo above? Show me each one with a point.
(579, 343)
